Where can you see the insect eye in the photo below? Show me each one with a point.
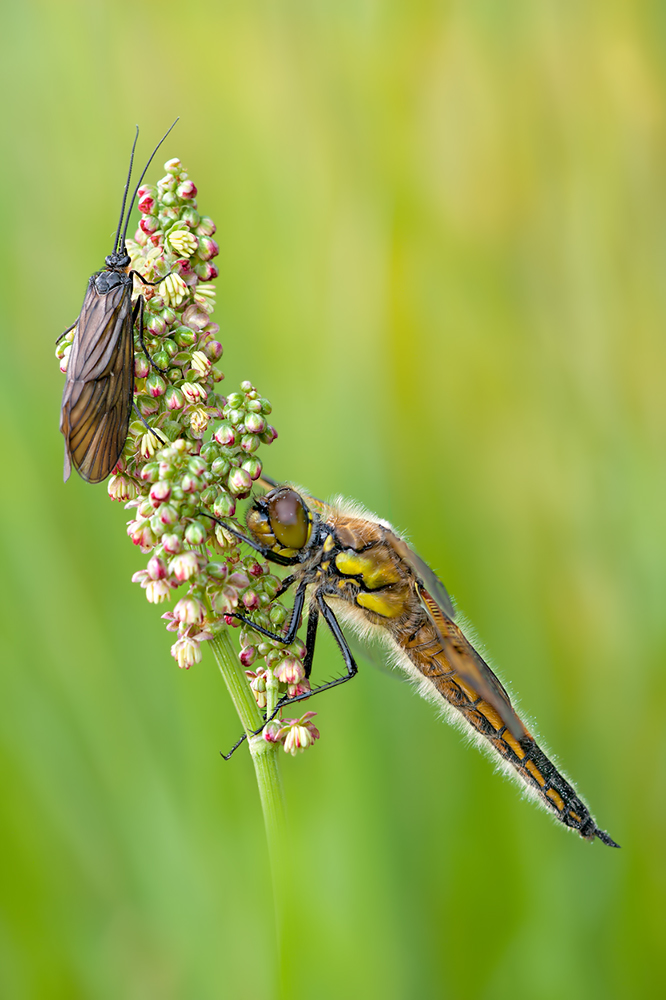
(290, 519)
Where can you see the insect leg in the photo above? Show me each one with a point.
(138, 310)
(321, 607)
(151, 283)
(148, 427)
(286, 637)
(261, 549)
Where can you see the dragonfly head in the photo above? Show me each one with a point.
(281, 521)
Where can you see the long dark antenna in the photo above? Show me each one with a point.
(129, 210)
(127, 184)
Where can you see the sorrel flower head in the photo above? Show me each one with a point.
(198, 456)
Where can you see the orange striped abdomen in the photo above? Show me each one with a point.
(523, 756)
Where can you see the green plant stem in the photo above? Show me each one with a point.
(265, 759)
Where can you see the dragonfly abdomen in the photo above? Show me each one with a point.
(522, 758)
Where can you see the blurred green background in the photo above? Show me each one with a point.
(443, 249)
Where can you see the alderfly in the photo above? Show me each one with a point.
(99, 386)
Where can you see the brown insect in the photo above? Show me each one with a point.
(99, 385)
(349, 564)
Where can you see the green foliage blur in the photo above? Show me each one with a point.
(443, 258)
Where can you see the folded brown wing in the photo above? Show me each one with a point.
(469, 665)
(97, 399)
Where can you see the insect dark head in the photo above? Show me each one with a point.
(118, 260)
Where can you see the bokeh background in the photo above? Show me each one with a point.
(443, 251)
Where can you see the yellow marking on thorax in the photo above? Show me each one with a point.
(377, 571)
(388, 605)
(535, 772)
(514, 744)
(328, 544)
(556, 798)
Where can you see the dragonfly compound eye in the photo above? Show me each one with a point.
(290, 518)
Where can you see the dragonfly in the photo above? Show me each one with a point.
(353, 567)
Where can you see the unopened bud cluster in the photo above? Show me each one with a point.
(210, 461)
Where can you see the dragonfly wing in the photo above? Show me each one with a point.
(423, 573)
(470, 665)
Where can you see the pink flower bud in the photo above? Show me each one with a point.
(186, 190)
(206, 271)
(189, 611)
(250, 443)
(206, 227)
(155, 385)
(224, 602)
(225, 434)
(146, 203)
(149, 224)
(184, 566)
(252, 466)
(174, 398)
(208, 248)
(247, 656)
(250, 600)
(167, 514)
(213, 350)
(240, 482)
(224, 506)
(160, 492)
(195, 533)
(171, 544)
(156, 568)
(255, 423)
(156, 325)
(141, 366)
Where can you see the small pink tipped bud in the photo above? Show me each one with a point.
(160, 492)
(253, 467)
(141, 366)
(248, 655)
(156, 568)
(155, 385)
(224, 506)
(214, 350)
(195, 533)
(250, 600)
(206, 226)
(171, 544)
(208, 248)
(255, 423)
(206, 271)
(149, 224)
(184, 566)
(167, 514)
(174, 398)
(225, 434)
(189, 611)
(186, 190)
(224, 602)
(240, 482)
(146, 202)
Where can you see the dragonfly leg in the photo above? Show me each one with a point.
(285, 637)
